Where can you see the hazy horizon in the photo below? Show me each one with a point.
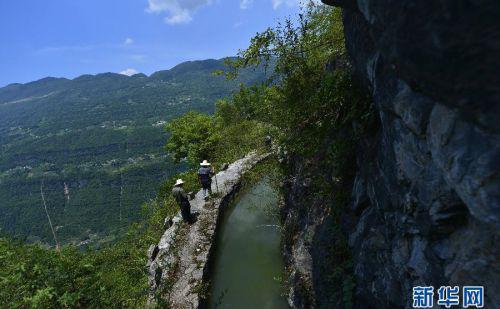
(148, 74)
(69, 39)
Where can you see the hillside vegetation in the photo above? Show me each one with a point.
(94, 145)
(310, 98)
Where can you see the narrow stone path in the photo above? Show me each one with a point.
(179, 264)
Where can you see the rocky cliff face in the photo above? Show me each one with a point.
(426, 197)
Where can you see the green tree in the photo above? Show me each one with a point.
(193, 136)
(311, 91)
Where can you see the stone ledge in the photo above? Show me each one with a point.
(179, 264)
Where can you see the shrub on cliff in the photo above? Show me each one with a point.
(311, 91)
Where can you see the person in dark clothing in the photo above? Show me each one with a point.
(182, 200)
(205, 174)
(268, 140)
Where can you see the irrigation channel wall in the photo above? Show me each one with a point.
(179, 265)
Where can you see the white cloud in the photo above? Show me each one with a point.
(292, 3)
(181, 17)
(129, 72)
(245, 4)
(179, 11)
(278, 3)
(128, 41)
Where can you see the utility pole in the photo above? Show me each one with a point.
(48, 216)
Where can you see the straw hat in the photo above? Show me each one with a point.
(178, 182)
(205, 163)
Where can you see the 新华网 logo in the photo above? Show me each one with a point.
(448, 296)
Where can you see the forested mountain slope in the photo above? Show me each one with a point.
(94, 144)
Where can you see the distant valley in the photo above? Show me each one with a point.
(94, 147)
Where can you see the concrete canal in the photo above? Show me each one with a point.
(248, 263)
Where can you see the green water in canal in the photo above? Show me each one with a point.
(248, 259)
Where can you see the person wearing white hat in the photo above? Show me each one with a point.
(182, 200)
(205, 174)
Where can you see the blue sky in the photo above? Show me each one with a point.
(68, 38)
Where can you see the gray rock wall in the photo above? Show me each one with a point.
(426, 197)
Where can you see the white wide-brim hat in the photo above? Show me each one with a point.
(205, 163)
(178, 182)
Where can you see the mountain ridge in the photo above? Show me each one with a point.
(102, 137)
(175, 68)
